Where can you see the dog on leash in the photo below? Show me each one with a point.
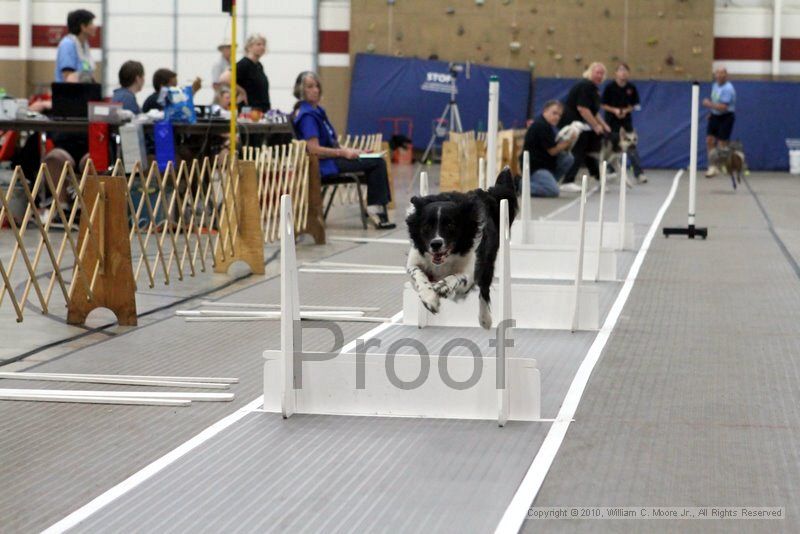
(455, 238)
(614, 145)
(572, 131)
(730, 159)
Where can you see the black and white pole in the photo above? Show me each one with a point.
(691, 230)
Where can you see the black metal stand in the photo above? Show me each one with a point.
(691, 231)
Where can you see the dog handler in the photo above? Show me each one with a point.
(549, 160)
(583, 104)
(620, 97)
(720, 122)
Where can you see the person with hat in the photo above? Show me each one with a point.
(222, 64)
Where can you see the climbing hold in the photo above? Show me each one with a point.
(578, 58)
(487, 58)
(550, 49)
(551, 30)
(607, 13)
(669, 60)
(479, 2)
(371, 47)
(614, 59)
(698, 33)
(660, 14)
(460, 30)
(532, 49)
(678, 69)
(558, 57)
(514, 46)
(506, 2)
(697, 50)
(399, 53)
(398, 36)
(652, 41)
(450, 10)
(534, 10)
(532, 65)
(371, 27)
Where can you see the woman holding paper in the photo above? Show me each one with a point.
(311, 123)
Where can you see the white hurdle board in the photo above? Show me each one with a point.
(553, 261)
(616, 235)
(332, 384)
(554, 233)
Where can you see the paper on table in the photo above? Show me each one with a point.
(371, 155)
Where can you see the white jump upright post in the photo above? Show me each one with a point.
(603, 171)
(482, 173)
(504, 352)
(491, 130)
(623, 192)
(691, 231)
(526, 195)
(423, 184)
(290, 305)
(579, 269)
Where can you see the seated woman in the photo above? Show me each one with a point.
(311, 123)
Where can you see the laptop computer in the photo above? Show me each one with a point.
(71, 100)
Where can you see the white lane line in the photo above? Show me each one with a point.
(517, 510)
(185, 448)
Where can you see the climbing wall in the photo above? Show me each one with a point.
(662, 39)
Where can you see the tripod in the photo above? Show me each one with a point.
(451, 111)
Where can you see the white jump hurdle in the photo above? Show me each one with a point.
(501, 388)
(616, 235)
(536, 305)
(552, 260)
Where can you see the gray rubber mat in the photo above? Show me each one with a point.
(392, 474)
(695, 400)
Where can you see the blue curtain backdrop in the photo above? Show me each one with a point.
(766, 114)
(386, 86)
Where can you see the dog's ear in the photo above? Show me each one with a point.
(622, 131)
(416, 204)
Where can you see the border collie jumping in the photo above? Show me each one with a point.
(455, 238)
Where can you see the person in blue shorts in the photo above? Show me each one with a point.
(723, 114)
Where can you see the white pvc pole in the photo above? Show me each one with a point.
(188, 395)
(278, 306)
(603, 171)
(33, 397)
(777, 9)
(218, 380)
(423, 184)
(482, 173)
(290, 307)
(526, 195)
(117, 381)
(623, 191)
(491, 130)
(693, 150)
(579, 270)
(504, 352)
(399, 270)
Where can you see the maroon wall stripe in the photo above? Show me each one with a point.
(790, 49)
(9, 34)
(334, 42)
(49, 36)
(743, 48)
(754, 48)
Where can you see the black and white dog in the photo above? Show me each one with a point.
(455, 238)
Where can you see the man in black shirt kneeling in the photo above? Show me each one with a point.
(549, 161)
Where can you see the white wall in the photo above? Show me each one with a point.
(148, 30)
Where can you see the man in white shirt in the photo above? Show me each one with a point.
(222, 64)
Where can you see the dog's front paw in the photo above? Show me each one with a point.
(443, 289)
(430, 299)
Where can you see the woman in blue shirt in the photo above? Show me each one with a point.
(311, 123)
